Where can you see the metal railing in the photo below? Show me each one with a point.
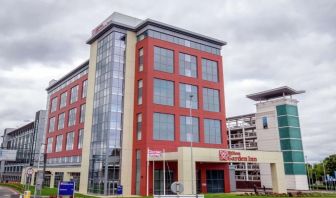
(254, 177)
(251, 145)
(252, 166)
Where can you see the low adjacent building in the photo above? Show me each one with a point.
(274, 127)
(27, 141)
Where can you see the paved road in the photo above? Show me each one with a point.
(8, 193)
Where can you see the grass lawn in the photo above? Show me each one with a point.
(229, 195)
(53, 191)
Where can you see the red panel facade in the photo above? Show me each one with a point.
(148, 108)
(75, 128)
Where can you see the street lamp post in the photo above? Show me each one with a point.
(191, 145)
(38, 165)
(324, 176)
(309, 187)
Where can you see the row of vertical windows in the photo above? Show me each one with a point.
(140, 85)
(163, 128)
(179, 41)
(71, 120)
(211, 99)
(73, 97)
(141, 59)
(164, 61)
(139, 126)
(188, 96)
(164, 95)
(69, 141)
(163, 92)
(188, 65)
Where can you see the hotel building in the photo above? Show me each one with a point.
(147, 87)
(133, 94)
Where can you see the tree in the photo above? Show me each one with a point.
(330, 164)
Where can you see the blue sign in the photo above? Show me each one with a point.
(119, 190)
(66, 188)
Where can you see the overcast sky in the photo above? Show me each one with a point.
(270, 44)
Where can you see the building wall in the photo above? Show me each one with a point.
(127, 138)
(27, 141)
(148, 108)
(39, 135)
(282, 134)
(75, 128)
(88, 120)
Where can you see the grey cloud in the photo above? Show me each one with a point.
(270, 43)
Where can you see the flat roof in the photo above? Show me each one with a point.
(85, 64)
(134, 24)
(274, 93)
(250, 115)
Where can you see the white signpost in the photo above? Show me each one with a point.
(155, 154)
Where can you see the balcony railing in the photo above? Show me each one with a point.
(236, 136)
(237, 146)
(239, 167)
(254, 177)
(250, 135)
(250, 177)
(251, 145)
(252, 166)
(240, 177)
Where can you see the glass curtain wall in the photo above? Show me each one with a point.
(104, 170)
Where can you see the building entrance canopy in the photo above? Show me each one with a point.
(182, 156)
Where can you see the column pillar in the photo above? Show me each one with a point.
(33, 178)
(52, 179)
(278, 178)
(66, 176)
(185, 170)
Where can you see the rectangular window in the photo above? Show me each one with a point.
(212, 131)
(163, 126)
(264, 122)
(141, 59)
(139, 126)
(70, 141)
(74, 94)
(163, 92)
(49, 145)
(138, 172)
(63, 99)
(59, 140)
(53, 105)
(188, 65)
(185, 92)
(61, 121)
(84, 92)
(72, 117)
(209, 70)
(163, 60)
(189, 130)
(140, 85)
(52, 124)
(80, 138)
(82, 113)
(211, 99)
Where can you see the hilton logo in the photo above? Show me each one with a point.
(224, 155)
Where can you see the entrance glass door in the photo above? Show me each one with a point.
(158, 181)
(215, 181)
